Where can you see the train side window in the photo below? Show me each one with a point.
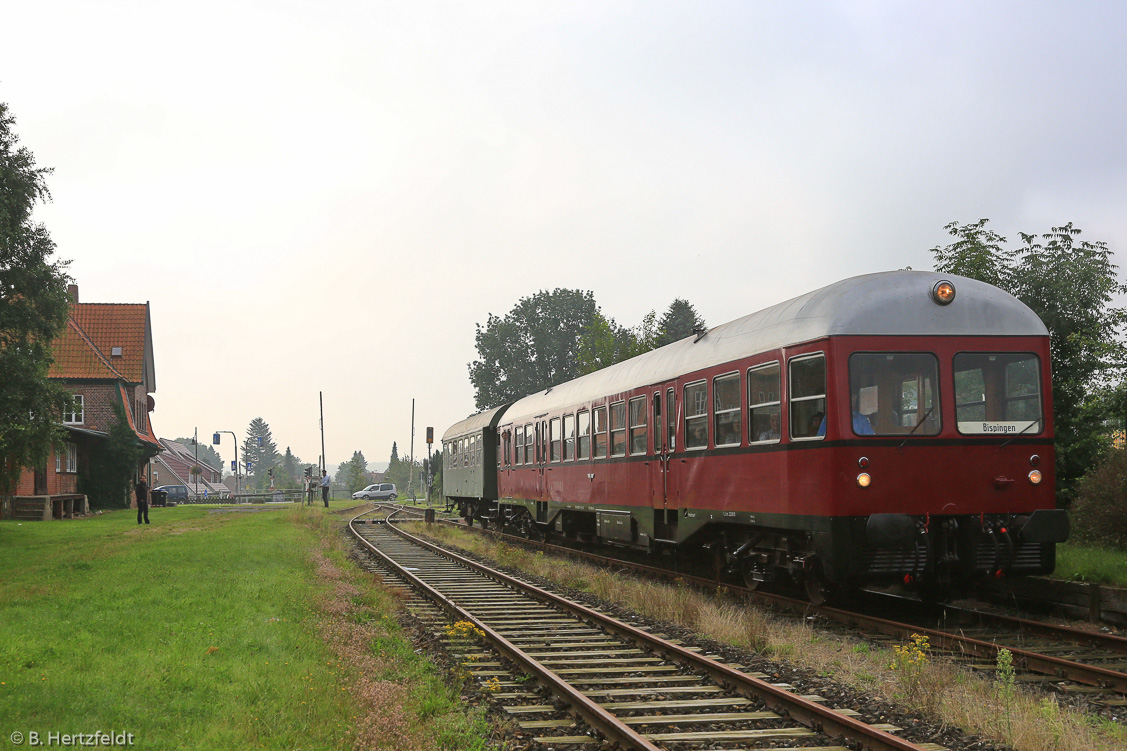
(808, 397)
(518, 444)
(618, 429)
(584, 439)
(569, 437)
(638, 426)
(600, 417)
(726, 409)
(502, 453)
(696, 415)
(529, 444)
(554, 433)
(764, 387)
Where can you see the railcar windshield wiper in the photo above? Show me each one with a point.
(917, 425)
(1015, 435)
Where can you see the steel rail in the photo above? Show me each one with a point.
(811, 714)
(606, 723)
(1029, 660)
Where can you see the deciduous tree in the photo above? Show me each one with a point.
(33, 312)
(1071, 285)
(536, 345)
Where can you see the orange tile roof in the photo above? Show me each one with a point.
(112, 325)
(147, 436)
(76, 356)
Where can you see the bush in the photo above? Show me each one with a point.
(1099, 513)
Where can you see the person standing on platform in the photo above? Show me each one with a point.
(142, 491)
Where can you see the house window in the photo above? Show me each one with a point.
(73, 414)
(71, 459)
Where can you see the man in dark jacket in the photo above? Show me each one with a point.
(142, 490)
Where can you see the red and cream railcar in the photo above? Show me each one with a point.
(893, 426)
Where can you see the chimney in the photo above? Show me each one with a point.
(72, 293)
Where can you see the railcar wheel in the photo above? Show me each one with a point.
(818, 590)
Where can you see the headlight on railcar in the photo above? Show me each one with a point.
(864, 480)
(943, 292)
(1035, 477)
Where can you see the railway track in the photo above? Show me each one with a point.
(1065, 660)
(570, 675)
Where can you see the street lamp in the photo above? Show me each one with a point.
(234, 440)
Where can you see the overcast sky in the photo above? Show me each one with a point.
(327, 196)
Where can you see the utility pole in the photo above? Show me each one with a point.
(430, 469)
(321, 397)
(411, 476)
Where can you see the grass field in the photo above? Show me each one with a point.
(211, 631)
(1087, 564)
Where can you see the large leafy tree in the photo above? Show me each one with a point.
(1071, 284)
(259, 449)
(33, 312)
(534, 346)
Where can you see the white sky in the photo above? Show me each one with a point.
(327, 196)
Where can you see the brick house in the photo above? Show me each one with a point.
(173, 466)
(104, 357)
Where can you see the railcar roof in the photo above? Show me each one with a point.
(474, 423)
(891, 303)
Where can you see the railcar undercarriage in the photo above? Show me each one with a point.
(935, 556)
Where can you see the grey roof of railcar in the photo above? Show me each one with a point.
(473, 423)
(891, 303)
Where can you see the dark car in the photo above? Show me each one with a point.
(169, 495)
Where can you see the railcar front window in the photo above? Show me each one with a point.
(696, 415)
(764, 387)
(638, 426)
(618, 429)
(584, 443)
(600, 433)
(808, 397)
(726, 409)
(894, 393)
(998, 393)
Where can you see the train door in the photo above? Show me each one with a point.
(668, 494)
(541, 459)
(660, 489)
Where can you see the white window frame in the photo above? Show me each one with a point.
(703, 415)
(738, 409)
(77, 411)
